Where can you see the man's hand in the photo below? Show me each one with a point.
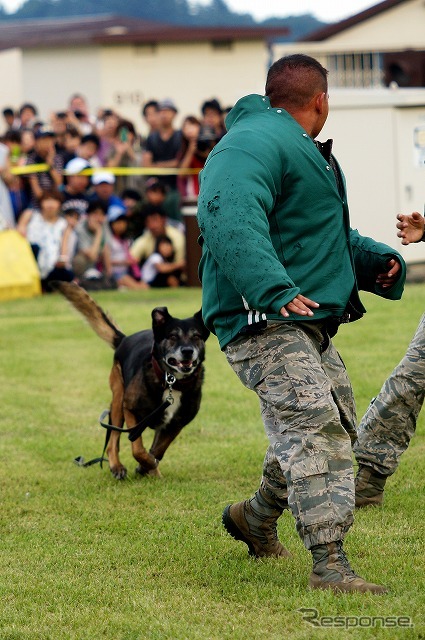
(299, 305)
(388, 278)
(411, 227)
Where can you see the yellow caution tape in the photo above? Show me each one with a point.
(116, 171)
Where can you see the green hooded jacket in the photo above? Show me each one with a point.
(274, 223)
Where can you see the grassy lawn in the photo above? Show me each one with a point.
(84, 556)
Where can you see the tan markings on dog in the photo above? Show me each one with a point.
(173, 408)
(116, 384)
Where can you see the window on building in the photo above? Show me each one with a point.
(355, 70)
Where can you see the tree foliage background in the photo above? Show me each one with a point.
(216, 13)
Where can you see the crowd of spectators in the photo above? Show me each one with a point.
(104, 228)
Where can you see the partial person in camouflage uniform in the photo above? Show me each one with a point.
(389, 423)
(280, 270)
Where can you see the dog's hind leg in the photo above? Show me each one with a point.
(117, 419)
(147, 463)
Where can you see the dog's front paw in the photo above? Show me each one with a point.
(143, 471)
(119, 471)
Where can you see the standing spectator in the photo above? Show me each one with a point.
(44, 153)
(109, 135)
(27, 116)
(79, 114)
(163, 145)
(12, 122)
(7, 216)
(19, 195)
(123, 154)
(88, 149)
(150, 113)
(44, 229)
(212, 119)
(190, 158)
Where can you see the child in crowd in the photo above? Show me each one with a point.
(160, 269)
(125, 269)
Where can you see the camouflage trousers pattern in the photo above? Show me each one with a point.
(309, 415)
(389, 423)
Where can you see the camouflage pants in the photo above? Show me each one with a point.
(389, 423)
(308, 410)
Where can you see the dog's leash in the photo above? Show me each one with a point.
(133, 432)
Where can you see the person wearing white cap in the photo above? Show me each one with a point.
(76, 185)
(104, 189)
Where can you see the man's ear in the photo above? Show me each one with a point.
(320, 102)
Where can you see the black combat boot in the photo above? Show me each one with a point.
(369, 487)
(331, 570)
(254, 522)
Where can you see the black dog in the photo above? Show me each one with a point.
(148, 367)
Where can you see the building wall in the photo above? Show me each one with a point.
(187, 73)
(374, 141)
(11, 78)
(51, 76)
(401, 27)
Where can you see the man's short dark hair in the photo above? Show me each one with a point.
(150, 103)
(8, 111)
(133, 194)
(292, 81)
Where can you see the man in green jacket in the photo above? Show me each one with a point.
(280, 270)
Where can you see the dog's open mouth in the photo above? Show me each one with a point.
(185, 366)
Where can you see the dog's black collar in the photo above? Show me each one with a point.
(179, 384)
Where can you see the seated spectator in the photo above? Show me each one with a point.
(70, 238)
(93, 255)
(158, 194)
(190, 157)
(163, 145)
(125, 269)
(161, 268)
(103, 183)
(75, 194)
(44, 153)
(27, 143)
(156, 226)
(44, 229)
(132, 200)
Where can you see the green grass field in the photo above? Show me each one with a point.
(84, 556)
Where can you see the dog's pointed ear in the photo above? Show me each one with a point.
(160, 318)
(204, 331)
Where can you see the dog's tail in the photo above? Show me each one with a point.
(95, 316)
